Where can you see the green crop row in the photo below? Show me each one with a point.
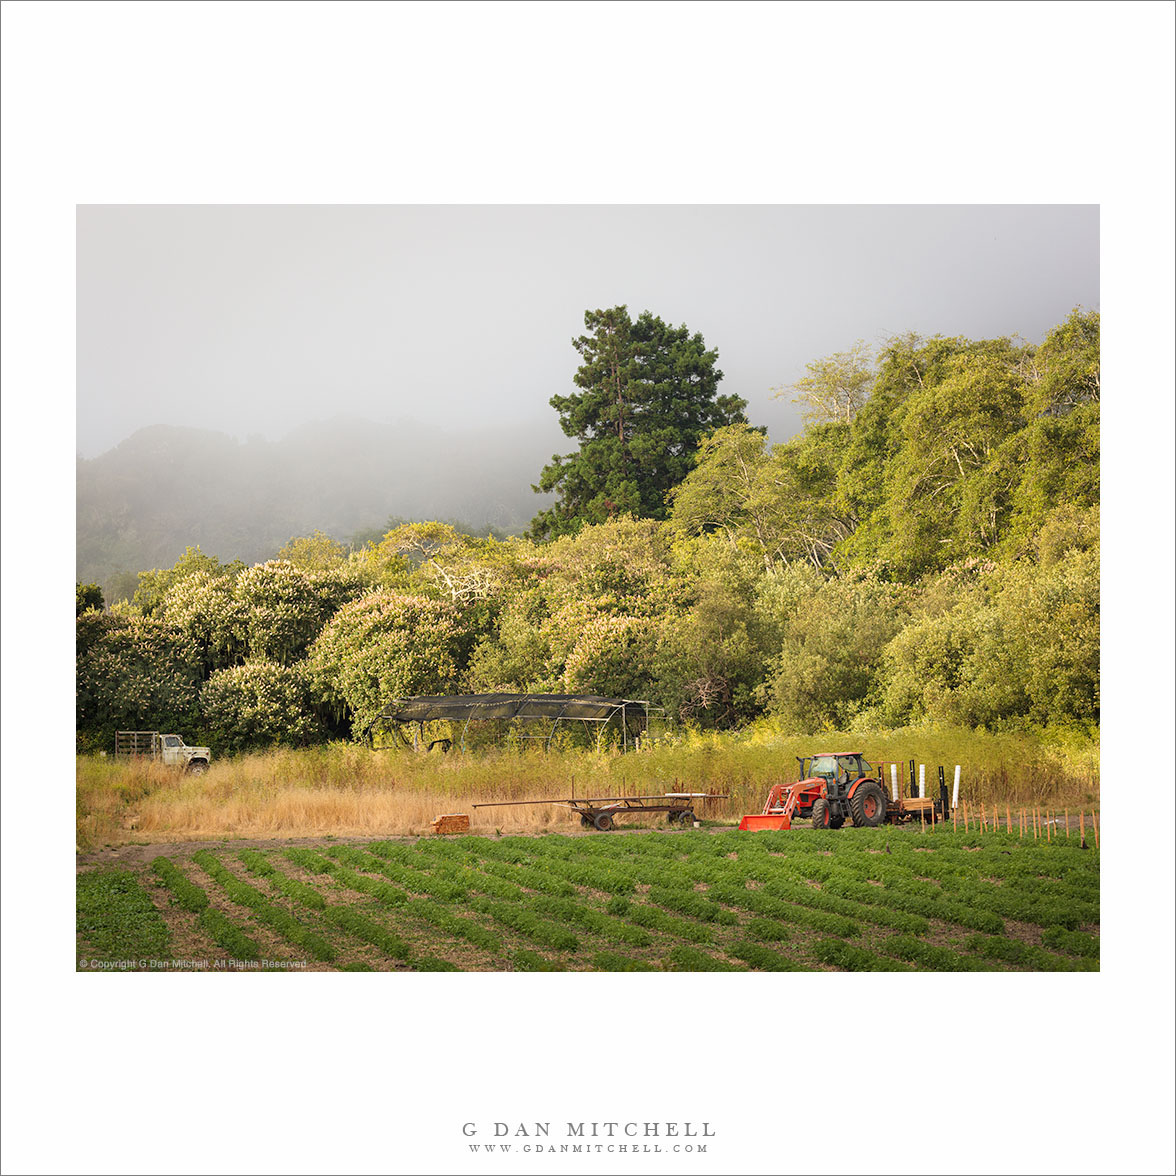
(257, 863)
(929, 955)
(223, 931)
(761, 903)
(365, 930)
(763, 959)
(1076, 943)
(655, 919)
(683, 958)
(263, 909)
(186, 893)
(857, 911)
(610, 961)
(414, 881)
(526, 923)
(441, 874)
(458, 925)
(528, 876)
(1013, 951)
(116, 917)
(920, 899)
(854, 959)
(605, 926)
(691, 903)
(526, 960)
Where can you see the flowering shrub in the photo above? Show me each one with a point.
(385, 646)
(258, 704)
(133, 673)
(204, 608)
(282, 611)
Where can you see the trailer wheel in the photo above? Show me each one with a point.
(868, 805)
(820, 814)
(586, 821)
(687, 818)
(603, 821)
(672, 816)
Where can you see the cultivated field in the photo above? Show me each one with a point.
(894, 899)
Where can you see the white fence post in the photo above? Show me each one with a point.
(955, 792)
(922, 790)
(894, 782)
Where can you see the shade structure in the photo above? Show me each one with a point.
(632, 714)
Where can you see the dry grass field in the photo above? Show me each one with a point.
(349, 790)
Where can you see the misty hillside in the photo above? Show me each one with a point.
(165, 488)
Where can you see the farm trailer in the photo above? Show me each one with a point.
(601, 812)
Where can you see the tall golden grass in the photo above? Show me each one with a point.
(348, 790)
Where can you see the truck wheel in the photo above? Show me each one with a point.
(868, 805)
(197, 768)
(820, 814)
(603, 821)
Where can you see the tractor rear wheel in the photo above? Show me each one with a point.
(820, 814)
(868, 805)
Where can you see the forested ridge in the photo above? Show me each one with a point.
(925, 551)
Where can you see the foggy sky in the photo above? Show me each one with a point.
(255, 320)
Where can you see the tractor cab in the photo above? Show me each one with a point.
(837, 771)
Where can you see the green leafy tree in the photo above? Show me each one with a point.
(710, 656)
(648, 395)
(279, 609)
(204, 607)
(946, 496)
(259, 704)
(155, 584)
(836, 388)
(831, 638)
(314, 553)
(133, 673)
(89, 597)
(385, 646)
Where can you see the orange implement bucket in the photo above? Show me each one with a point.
(754, 822)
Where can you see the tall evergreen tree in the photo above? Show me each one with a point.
(648, 395)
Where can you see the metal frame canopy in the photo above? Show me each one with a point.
(559, 708)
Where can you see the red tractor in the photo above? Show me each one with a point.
(834, 787)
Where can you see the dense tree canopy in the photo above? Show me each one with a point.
(648, 395)
(925, 551)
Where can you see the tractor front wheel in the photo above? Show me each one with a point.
(868, 805)
(820, 814)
